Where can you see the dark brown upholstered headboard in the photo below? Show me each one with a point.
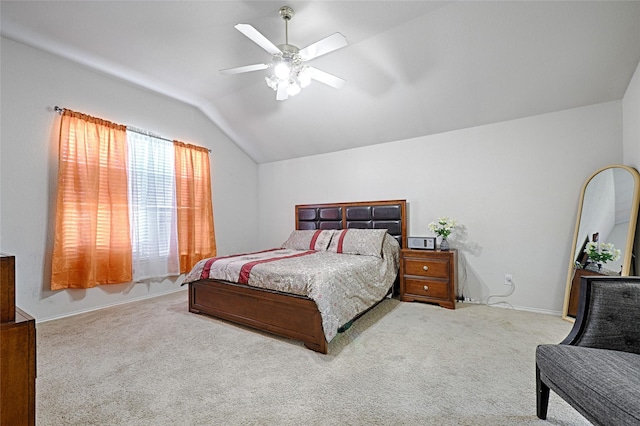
(389, 215)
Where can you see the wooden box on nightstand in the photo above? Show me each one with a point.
(429, 276)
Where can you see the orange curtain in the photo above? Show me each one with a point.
(92, 243)
(196, 236)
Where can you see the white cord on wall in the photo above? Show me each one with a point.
(513, 288)
(462, 275)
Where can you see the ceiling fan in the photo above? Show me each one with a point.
(290, 73)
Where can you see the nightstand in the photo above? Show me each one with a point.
(429, 276)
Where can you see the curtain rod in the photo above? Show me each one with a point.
(129, 128)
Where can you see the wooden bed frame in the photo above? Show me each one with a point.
(288, 315)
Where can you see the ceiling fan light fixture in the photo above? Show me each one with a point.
(282, 70)
(293, 88)
(304, 77)
(288, 71)
(272, 82)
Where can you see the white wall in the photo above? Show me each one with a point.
(631, 122)
(631, 138)
(32, 82)
(514, 186)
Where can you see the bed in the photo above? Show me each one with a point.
(292, 315)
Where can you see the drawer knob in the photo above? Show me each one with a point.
(426, 288)
(425, 267)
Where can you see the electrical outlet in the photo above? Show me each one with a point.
(508, 279)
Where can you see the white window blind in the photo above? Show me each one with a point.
(152, 206)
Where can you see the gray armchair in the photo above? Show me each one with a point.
(596, 369)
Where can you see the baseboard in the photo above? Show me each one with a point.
(507, 305)
(122, 302)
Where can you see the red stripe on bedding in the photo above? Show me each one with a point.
(312, 245)
(341, 240)
(207, 266)
(246, 269)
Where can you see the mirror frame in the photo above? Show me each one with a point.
(631, 232)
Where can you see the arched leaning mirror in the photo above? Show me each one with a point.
(607, 214)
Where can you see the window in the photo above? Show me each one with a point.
(152, 206)
(129, 206)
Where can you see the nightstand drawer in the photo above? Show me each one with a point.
(432, 268)
(434, 289)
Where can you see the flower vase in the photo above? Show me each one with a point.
(444, 244)
(593, 266)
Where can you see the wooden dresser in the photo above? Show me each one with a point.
(17, 354)
(429, 276)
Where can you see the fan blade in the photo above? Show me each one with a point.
(328, 44)
(282, 94)
(326, 78)
(258, 38)
(246, 68)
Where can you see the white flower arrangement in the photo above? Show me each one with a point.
(602, 252)
(443, 227)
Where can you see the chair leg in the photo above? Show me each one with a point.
(542, 396)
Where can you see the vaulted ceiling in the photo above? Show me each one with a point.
(412, 68)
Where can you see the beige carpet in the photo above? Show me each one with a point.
(154, 363)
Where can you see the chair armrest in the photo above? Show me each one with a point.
(608, 314)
